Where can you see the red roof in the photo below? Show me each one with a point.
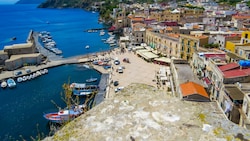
(229, 66)
(236, 73)
(215, 55)
(112, 28)
(206, 80)
(191, 88)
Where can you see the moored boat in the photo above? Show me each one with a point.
(24, 78)
(11, 83)
(19, 79)
(81, 89)
(65, 115)
(91, 79)
(4, 84)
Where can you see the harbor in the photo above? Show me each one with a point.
(27, 102)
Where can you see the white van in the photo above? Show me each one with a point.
(120, 70)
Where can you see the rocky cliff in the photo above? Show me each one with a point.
(141, 112)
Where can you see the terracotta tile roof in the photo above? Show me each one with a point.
(190, 88)
(174, 35)
(169, 28)
(203, 37)
(229, 66)
(236, 73)
(130, 16)
(241, 17)
(138, 19)
(196, 26)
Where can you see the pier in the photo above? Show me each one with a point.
(53, 60)
(95, 29)
(102, 88)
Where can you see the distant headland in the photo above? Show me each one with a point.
(30, 1)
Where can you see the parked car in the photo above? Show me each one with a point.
(120, 70)
(118, 89)
(117, 62)
(116, 83)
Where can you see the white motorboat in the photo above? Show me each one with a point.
(19, 79)
(24, 78)
(102, 32)
(4, 84)
(91, 79)
(87, 46)
(11, 83)
(81, 89)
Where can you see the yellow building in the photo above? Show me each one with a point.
(245, 37)
(189, 44)
(196, 12)
(168, 15)
(244, 41)
(165, 44)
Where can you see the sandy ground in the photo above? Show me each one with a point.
(137, 71)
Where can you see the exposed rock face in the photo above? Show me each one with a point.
(140, 112)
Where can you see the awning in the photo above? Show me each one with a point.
(164, 78)
(138, 48)
(234, 92)
(163, 59)
(147, 55)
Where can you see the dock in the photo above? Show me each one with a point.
(102, 88)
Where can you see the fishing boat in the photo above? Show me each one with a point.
(91, 79)
(81, 89)
(11, 83)
(4, 84)
(65, 115)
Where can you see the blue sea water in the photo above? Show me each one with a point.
(22, 108)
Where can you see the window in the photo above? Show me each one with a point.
(246, 35)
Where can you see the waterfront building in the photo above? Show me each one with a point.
(189, 44)
(17, 61)
(24, 48)
(138, 33)
(3, 56)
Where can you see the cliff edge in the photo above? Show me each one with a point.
(140, 112)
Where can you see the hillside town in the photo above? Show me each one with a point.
(200, 38)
